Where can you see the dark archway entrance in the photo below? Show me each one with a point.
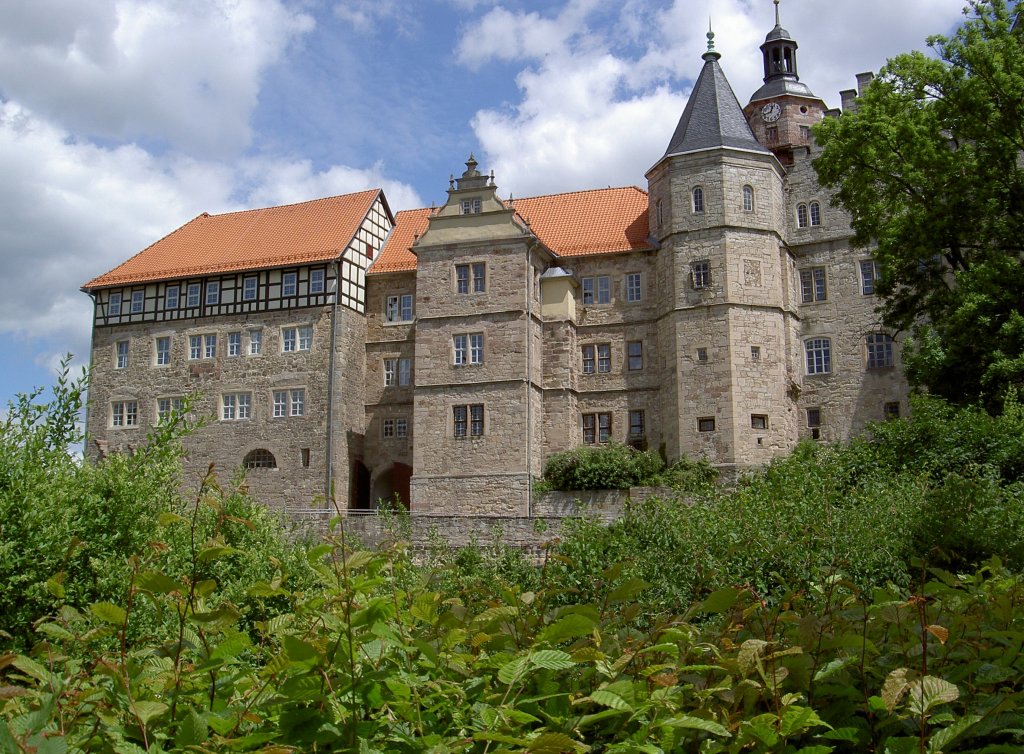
(392, 483)
(360, 486)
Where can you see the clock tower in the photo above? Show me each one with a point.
(783, 110)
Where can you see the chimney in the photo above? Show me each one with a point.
(863, 79)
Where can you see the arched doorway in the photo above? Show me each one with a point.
(393, 481)
(360, 486)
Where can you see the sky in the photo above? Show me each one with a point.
(121, 120)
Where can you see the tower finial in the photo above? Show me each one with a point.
(712, 53)
(777, 21)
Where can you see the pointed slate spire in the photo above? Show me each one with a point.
(712, 116)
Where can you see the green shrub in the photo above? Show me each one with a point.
(611, 466)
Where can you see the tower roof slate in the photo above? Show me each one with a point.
(313, 231)
(712, 116)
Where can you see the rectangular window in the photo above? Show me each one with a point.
(399, 308)
(316, 281)
(114, 307)
(870, 271)
(192, 295)
(461, 420)
(195, 347)
(138, 302)
(476, 348)
(122, 354)
(163, 351)
(635, 355)
(476, 420)
(234, 344)
(212, 293)
(597, 428)
(700, 271)
(209, 346)
(755, 353)
(289, 284)
(589, 360)
(388, 429)
(165, 406)
(459, 349)
(758, 421)
(171, 297)
(390, 372)
(280, 403)
(604, 357)
(296, 339)
(235, 406)
(814, 422)
(634, 291)
(636, 423)
(879, 350)
(812, 285)
(706, 424)
(404, 372)
(401, 427)
(702, 355)
(255, 342)
(289, 402)
(891, 410)
(462, 278)
(124, 414)
(597, 290)
(819, 356)
(479, 277)
(250, 287)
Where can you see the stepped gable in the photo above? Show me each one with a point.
(313, 231)
(580, 223)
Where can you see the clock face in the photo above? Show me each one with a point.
(771, 112)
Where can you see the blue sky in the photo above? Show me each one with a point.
(120, 120)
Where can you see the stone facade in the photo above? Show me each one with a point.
(728, 318)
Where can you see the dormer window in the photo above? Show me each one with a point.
(472, 206)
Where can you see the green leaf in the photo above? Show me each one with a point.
(720, 601)
(167, 518)
(157, 582)
(567, 627)
(554, 743)
(215, 552)
(627, 591)
(55, 585)
(551, 659)
(697, 723)
(231, 647)
(108, 612)
(799, 719)
(607, 698)
(32, 668)
(513, 670)
(146, 710)
(929, 692)
(943, 737)
(192, 731)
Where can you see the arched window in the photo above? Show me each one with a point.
(819, 355)
(801, 215)
(748, 199)
(698, 199)
(815, 213)
(659, 213)
(260, 459)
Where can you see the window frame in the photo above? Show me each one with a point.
(814, 210)
(460, 351)
(162, 356)
(868, 283)
(210, 346)
(124, 414)
(193, 295)
(122, 354)
(748, 198)
(138, 302)
(697, 200)
(238, 403)
(289, 282)
(390, 372)
(212, 297)
(813, 285)
(168, 298)
(878, 347)
(234, 343)
(250, 288)
(818, 356)
(634, 287)
(597, 427)
(700, 274)
(801, 215)
(705, 424)
(634, 355)
(255, 342)
(637, 423)
(317, 280)
(404, 372)
(759, 422)
(174, 403)
(114, 303)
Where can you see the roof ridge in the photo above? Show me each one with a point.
(294, 204)
(580, 191)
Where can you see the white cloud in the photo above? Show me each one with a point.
(184, 73)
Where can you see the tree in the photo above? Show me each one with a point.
(929, 165)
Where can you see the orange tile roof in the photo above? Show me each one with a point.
(581, 223)
(313, 231)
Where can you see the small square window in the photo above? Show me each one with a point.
(289, 402)
(316, 281)
(706, 424)
(212, 293)
(289, 284)
(171, 297)
(250, 287)
(138, 302)
(398, 308)
(758, 421)
(236, 406)
(192, 295)
(755, 353)
(892, 410)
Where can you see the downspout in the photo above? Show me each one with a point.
(329, 450)
(529, 365)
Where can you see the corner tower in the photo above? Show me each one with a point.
(717, 211)
(782, 111)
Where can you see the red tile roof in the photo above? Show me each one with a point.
(581, 223)
(314, 231)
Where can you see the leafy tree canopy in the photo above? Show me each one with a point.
(929, 165)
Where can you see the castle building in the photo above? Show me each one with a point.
(441, 355)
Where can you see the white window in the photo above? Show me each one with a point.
(748, 199)
(236, 406)
(698, 199)
(163, 351)
(870, 272)
(212, 292)
(210, 346)
(138, 302)
(476, 348)
(192, 295)
(234, 344)
(250, 287)
(289, 284)
(399, 308)
(700, 271)
(121, 348)
(124, 414)
(290, 402)
(165, 406)
(195, 347)
(459, 349)
(316, 281)
(634, 291)
(114, 307)
(801, 215)
(597, 290)
(635, 355)
(879, 350)
(255, 342)
(405, 372)
(812, 285)
(171, 297)
(597, 357)
(819, 356)
(390, 372)
(815, 209)
(469, 420)
(296, 339)
(597, 428)
(472, 206)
